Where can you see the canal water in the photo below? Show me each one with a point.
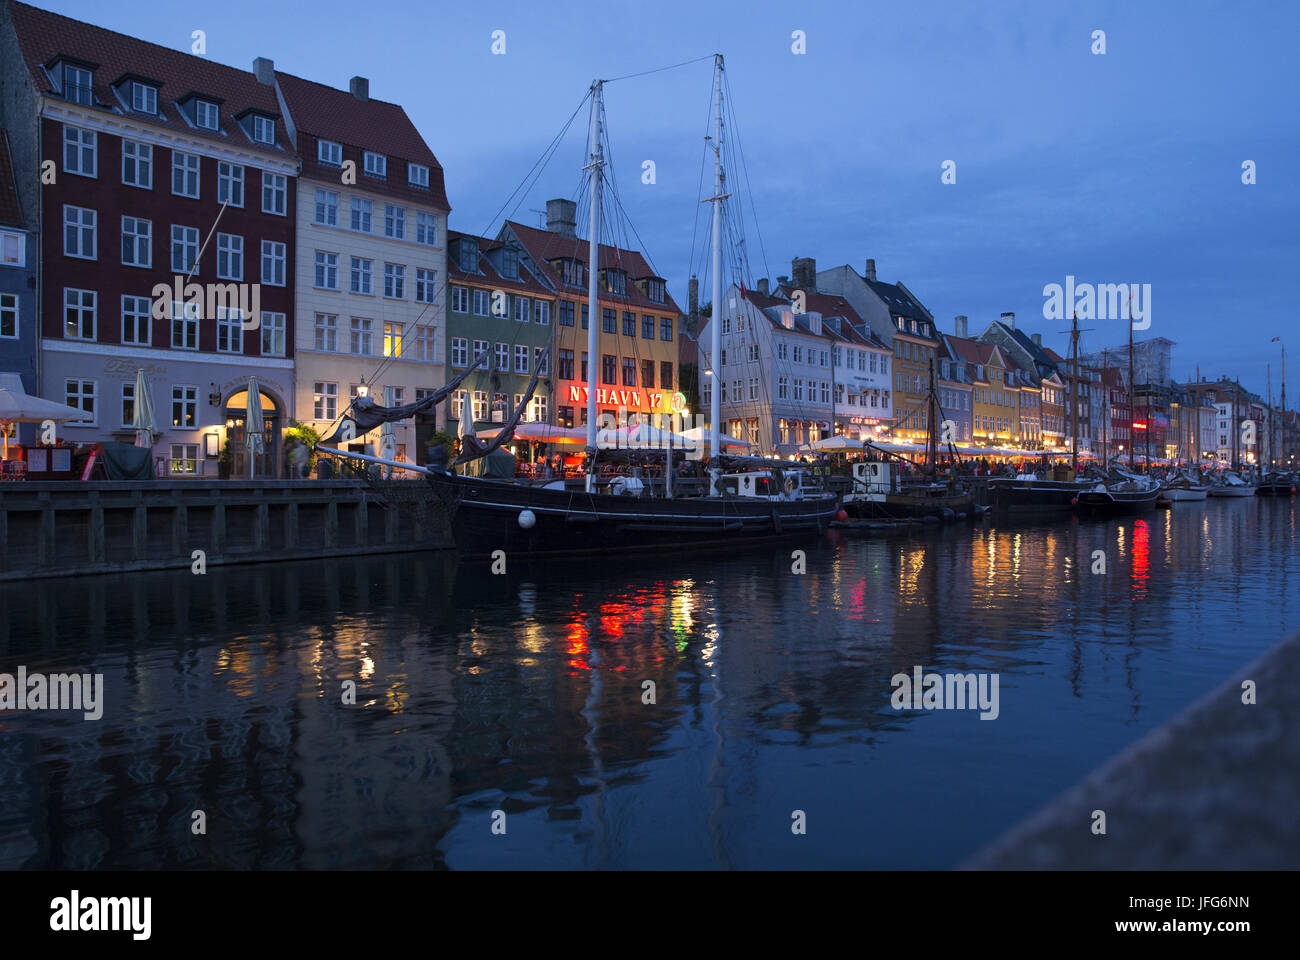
(500, 721)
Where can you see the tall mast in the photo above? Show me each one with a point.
(1074, 400)
(1268, 412)
(1236, 427)
(1105, 420)
(1285, 462)
(596, 165)
(715, 327)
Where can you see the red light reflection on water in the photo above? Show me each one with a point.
(1141, 558)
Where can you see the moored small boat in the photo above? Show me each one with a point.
(1231, 485)
(1126, 494)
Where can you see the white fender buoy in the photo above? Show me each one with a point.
(527, 519)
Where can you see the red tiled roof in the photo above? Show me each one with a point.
(43, 36)
(11, 211)
(544, 246)
(972, 351)
(323, 111)
(489, 275)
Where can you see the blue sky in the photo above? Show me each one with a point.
(1120, 168)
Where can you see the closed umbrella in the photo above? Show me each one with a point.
(143, 420)
(388, 439)
(253, 425)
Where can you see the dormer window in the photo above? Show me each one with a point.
(571, 272)
(330, 153)
(815, 324)
(77, 85)
(616, 282)
(376, 164)
(510, 263)
(206, 115)
(468, 255)
(144, 98)
(263, 129)
(656, 290)
(417, 175)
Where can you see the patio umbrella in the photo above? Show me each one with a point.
(543, 433)
(253, 424)
(702, 435)
(143, 419)
(18, 406)
(836, 443)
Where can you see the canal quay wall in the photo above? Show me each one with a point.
(1213, 789)
(54, 529)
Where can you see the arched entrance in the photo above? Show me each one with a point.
(268, 462)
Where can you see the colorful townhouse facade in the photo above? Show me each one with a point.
(501, 310)
(637, 350)
(18, 257)
(371, 264)
(141, 152)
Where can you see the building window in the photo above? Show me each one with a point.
(417, 175)
(426, 229)
(503, 357)
(629, 324)
(185, 326)
(616, 282)
(275, 191)
(273, 262)
(648, 374)
(273, 333)
(329, 153)
(426, 285)
(79, 232)
(541, 361)
(13, 249)
(80, 155)
(327, 270)
(361, 215)
(185, 406)
(184, 459)
(666, 374)
(325, 400)
(144, 98)
(585, 318)
(655, 291)
(521, 358)
(566, 313)
(537, 410)
(426, 343)
(480, 405)
(230, 256)
(137, 242)
(185, 248)
(459, 352)
(77, 85)
(480, 303)
(9, 316)
(376, 164)
(137, 315)
(647, 327)
(137, 164)
(205, 115)
(521, 309)
(753, 388)
(782, 388)
(79, 308)
(608, 370)
(629, 372)
(609, 320)
(666, 328)
(230, 330)
(263, 130)
(361, 330)
(185, 174)
(395, 281)
(460, 299)
(394, 222)
(564, 367)
(80, 395)
(327, 333)
(230, 184)
(327, 208)
(361, 275)
(393, 339)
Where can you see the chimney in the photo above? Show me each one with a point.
(958, 322)
(562, 218)
(359, 87)
(1037, 338)
(694, 295)
(870, 272)
(762, 285)
(1009, 319)
(264, 71)
(805, 274)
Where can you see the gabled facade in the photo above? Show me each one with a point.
(637, 353)
(143, 152)
(371, 264)
(499, 307)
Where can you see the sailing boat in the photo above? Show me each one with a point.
(766, 502)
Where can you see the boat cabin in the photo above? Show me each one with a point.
(873, 476)
(762, 485)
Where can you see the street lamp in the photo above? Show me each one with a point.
(362, 389)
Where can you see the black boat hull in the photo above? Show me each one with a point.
(897, 506)
(1033, 497)
(485, 517)
(1117, 504)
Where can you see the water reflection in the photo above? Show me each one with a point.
(375, 712)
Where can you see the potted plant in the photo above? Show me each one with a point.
(225, 461)
(304, 436)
